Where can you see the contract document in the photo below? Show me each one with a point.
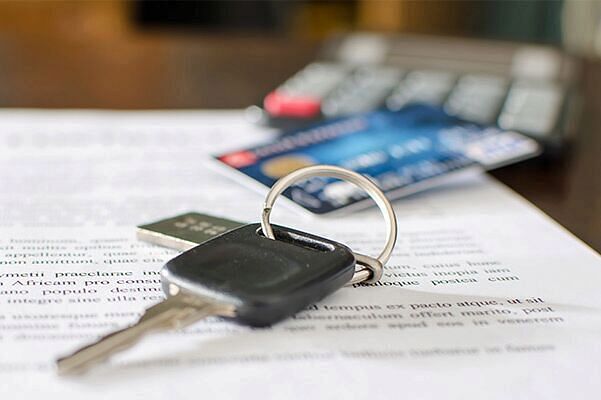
(485, 297)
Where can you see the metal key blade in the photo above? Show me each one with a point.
(185, 231)
(175, 312)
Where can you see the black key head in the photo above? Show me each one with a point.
(265, 280)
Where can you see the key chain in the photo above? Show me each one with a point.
(251, 278)
(373, 266)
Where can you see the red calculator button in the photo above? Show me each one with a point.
(282, 105)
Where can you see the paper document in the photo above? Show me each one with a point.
(484, 298)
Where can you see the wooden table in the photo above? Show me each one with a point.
(155, 71)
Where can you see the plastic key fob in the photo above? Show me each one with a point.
(264, 280)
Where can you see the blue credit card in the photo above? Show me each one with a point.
(400, 151)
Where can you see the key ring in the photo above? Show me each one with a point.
(373, 266)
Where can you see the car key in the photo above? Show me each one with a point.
(255, 275)
(241, 275)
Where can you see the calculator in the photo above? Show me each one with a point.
(518, 87)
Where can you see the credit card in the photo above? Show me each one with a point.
(402, 151)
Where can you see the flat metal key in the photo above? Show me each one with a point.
(184, 231)
(241, 275)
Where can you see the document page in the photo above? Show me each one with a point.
(485, 297)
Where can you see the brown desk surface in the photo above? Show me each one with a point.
(177, 71)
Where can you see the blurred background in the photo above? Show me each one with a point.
(156, 54)
(146, 54)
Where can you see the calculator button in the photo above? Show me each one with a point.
(532, 108)
(421, 86)
(301, 95)
(363, 91)
(477, 98)
(283, 105)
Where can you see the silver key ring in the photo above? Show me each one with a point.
(374, 265)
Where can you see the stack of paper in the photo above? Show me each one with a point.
(485, 297)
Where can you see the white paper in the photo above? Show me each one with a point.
(485, 297)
